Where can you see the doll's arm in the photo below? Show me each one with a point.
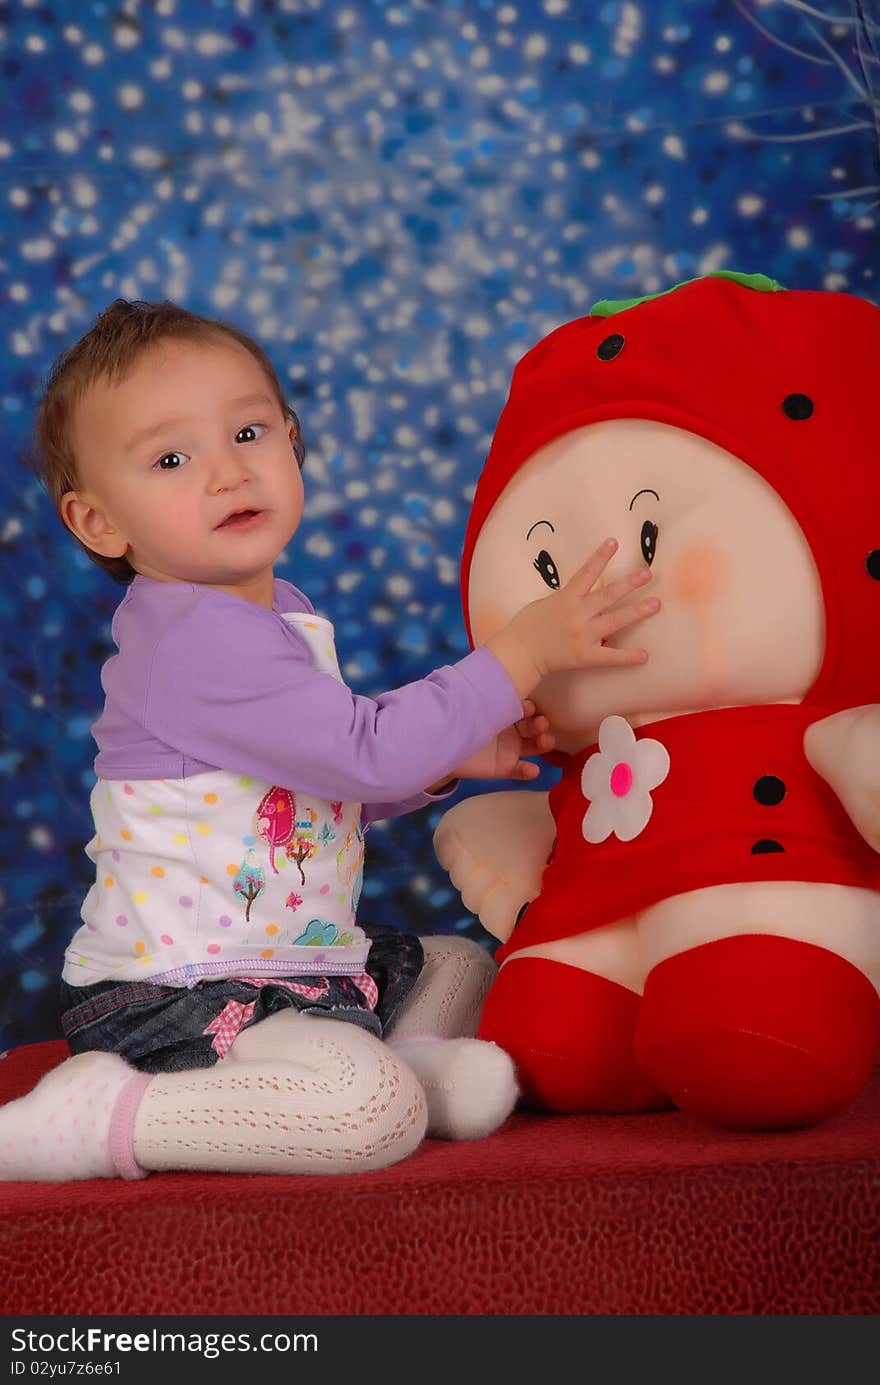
(495, 847)
(845, 750)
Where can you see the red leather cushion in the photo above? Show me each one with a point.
(650, 1214)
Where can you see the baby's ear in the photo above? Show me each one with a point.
(89, 524)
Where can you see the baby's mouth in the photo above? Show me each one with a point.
(238, 516)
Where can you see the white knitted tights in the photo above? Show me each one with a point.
(448, 995)
(296, 1094)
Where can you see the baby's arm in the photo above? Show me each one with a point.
(504, 758)
(375, 812)
(246, 697)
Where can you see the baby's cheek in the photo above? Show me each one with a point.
(486, 620)
(698, 576)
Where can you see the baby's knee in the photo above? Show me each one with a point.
(442, 950)
(457, 973)
(378, 1096)
(367, 1087)
(401, 1111)
(448, 996)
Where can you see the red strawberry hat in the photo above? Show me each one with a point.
(786, 379)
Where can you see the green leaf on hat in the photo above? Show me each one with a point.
(606, 307)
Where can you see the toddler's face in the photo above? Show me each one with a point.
(192, 433)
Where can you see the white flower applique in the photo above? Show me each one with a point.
(618, 781)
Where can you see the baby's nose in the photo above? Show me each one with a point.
(230, 468)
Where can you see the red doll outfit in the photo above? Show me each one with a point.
(786, 381)
(740, 802)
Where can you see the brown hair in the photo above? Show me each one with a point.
(109, 350)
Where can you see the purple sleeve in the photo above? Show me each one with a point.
(374, 812)
(244, 695)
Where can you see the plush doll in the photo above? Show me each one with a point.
(691, 917)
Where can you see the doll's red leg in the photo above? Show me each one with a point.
(758, 1032)
(570, 1034)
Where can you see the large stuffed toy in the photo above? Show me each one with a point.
(692, 915)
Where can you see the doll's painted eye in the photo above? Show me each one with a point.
(649, 541)
(547, 568)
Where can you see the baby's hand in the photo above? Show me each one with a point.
(502, 758)
(567, 630)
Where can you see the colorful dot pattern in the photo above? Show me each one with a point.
(197, 920)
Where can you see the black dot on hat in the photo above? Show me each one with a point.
(872, 563)
(769, 790)
(797, 406)
(610, 347)
(765, 846)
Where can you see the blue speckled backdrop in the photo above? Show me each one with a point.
(397, 200)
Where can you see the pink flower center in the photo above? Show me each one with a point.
(621, 779)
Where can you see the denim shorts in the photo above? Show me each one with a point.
(160, 1028)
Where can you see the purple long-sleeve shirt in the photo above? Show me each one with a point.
(206, 680)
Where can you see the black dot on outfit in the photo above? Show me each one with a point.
(872, 563)
(769, 790)
(610, 347)
(797, 406)
(765, 846)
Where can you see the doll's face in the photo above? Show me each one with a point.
(742, 612)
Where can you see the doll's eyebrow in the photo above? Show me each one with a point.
(647, 491)
(535, 525)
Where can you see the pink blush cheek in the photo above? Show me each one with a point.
(701, 578)
(698, 576)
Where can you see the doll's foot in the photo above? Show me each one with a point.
(570, 1034)
(470, 1087)
(75, 1123)
(757, 1032)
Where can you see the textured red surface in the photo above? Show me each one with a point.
(651, 1214)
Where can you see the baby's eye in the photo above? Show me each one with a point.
(157, 465)
(547, 568)
(249, 428)
(649, 541)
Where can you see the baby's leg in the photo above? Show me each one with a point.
(296, 1094)
(449, 991)
(337, 1101)
(470, 1086)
